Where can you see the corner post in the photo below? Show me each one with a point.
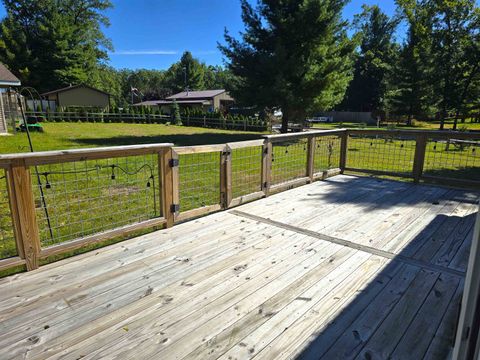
(267, 153)
(311, 157)
(168, 168)
(343, 151)
(226, 177)
(419, 159)
(22, 204)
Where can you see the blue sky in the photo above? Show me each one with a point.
(152, 34)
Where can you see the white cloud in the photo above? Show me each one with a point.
(145, 52)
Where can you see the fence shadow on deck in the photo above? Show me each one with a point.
(390, 307)
(340, 193)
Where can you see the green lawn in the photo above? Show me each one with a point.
(75, 135)
(86, 197)
(418, 125)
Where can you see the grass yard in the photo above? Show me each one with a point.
(87, 197)
(75, 135)
(418, 125)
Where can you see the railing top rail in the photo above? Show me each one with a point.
(429, 133)
(305, 134)
(197, 149)
(59, 156)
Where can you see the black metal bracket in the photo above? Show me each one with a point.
(174, 162)
(174, 208)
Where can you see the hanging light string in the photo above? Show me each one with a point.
(150, 181)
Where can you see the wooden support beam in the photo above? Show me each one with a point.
(343, 151)
(311, 157)
(226, 177)
(23, 209)
(419, 159)
(168, 168)
(267, 166)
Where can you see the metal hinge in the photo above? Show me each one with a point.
(174, 162)
(174, 208)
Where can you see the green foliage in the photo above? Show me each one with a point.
(177, 120)
(293, 54)
(53, 43)
(374, 63)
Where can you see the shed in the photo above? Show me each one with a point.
(79, 95)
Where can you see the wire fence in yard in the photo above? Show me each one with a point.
(289, 159)
(456, 159)
(327, 153)
(199, 180)
(7, 237)
(81, 198)
(382, 153)
(246, 171)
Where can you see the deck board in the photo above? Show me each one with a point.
(377, 262)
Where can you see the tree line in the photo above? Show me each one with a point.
(50, 44)
(299, 56)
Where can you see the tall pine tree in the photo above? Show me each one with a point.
(375, 61)
(52, 43)
(413, 73)
(294, 55)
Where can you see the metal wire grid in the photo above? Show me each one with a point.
(453, 159)
(8, 246)
(82, 198)
(246, 171)
(289, 161)
(199, 177)
(327, 153)
(382, 153)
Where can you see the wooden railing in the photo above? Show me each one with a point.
(52, 203)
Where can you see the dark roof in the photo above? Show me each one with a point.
(74, 87)
(7, 78)
(170, 102)
(197, 94)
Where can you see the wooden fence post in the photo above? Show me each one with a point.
(22, 204)
(226, 177)
(419, 159)
(343, 151)
(169, 192)
(311, 157)
(267, 152)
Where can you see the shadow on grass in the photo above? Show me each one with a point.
(178, 139)
(391, 317)
(471, 173)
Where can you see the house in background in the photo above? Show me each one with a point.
(78, 95)
(205, 100)
(7, 80)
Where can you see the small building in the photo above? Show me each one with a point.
(206, 100)
(7, 80)
(79, 96)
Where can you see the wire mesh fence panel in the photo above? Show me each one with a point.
(8, 246)
(289, 161)
(456, 159)
(246, 171)
(327, 153)
(199, 178)
(381, 153)
(81, 198)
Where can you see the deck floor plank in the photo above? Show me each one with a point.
(231, 287)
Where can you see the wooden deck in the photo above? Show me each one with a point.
(351, 267)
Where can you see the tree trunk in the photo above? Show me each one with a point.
(291, 115)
